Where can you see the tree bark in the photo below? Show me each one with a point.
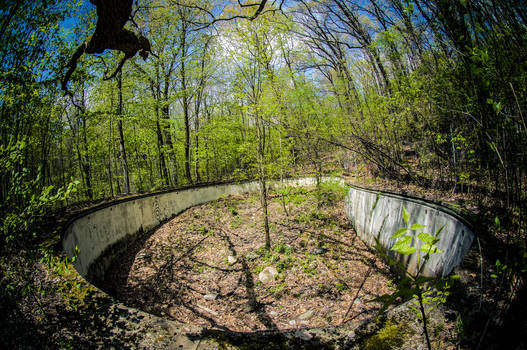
(185, 97)
(122, 147)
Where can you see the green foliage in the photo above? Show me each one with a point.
(285, 264)
(406, 238)
(425, 291)
(293, 195)
(278, 289)
(341, 287)
(330, 192)
(25, 200)
(444, 107)
(308, 265)
(283, 249)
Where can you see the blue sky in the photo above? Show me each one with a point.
(76, 17)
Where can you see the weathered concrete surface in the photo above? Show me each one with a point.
(380, 214)
(104, 227)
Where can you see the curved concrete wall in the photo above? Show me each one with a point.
(380, 214)
(372, 214)
(103, 227)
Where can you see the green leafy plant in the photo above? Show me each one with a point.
(341, 287)
(329, 192)
(291, 194)
(412, 240)
(283, 249)
(285, 264)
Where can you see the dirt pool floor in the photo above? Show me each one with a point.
(203, 267)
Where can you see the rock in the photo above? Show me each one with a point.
(351, 335)
(292, 322)
(273, 313)
(268, 274)
(231, 259)
(303, 335)
(252, 256)
(211, 296)
(306, 315)
(320, 250)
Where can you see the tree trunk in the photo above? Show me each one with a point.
(185, 99)
(110, 177)
(86, 159)
(121, 136)
(262, 179)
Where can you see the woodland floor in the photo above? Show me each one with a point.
(182, 271)
(170, 271)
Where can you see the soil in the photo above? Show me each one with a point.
(203, 266)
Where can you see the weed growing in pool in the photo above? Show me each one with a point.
(341, 287)
(416, 285)
(291, 195)
(277, 290)
(285, 264)
(284, 249)
(329, 192)
(309, 266)
(237, 222)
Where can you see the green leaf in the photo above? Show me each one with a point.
(427, 238)
(402, 246)
(430, 248)
(406, 215)
(416, 226)
(399, 232)
(439, 230)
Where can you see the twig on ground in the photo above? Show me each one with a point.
(357, 293)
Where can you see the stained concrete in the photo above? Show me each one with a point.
(373, 214)
(379, 214)
(109, 225)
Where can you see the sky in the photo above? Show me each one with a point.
(76, 17)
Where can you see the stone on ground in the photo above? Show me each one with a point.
(268, 274)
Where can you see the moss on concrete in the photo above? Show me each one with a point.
(392, 335)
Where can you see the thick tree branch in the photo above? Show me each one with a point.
(110, 34)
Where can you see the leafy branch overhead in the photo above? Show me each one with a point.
(428, 97)
(110, 34)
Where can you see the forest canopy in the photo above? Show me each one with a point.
(374, 80)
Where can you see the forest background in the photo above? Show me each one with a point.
(430, 93)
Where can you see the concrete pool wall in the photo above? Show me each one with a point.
(372, 213)
(376, 214)
(102, 227)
